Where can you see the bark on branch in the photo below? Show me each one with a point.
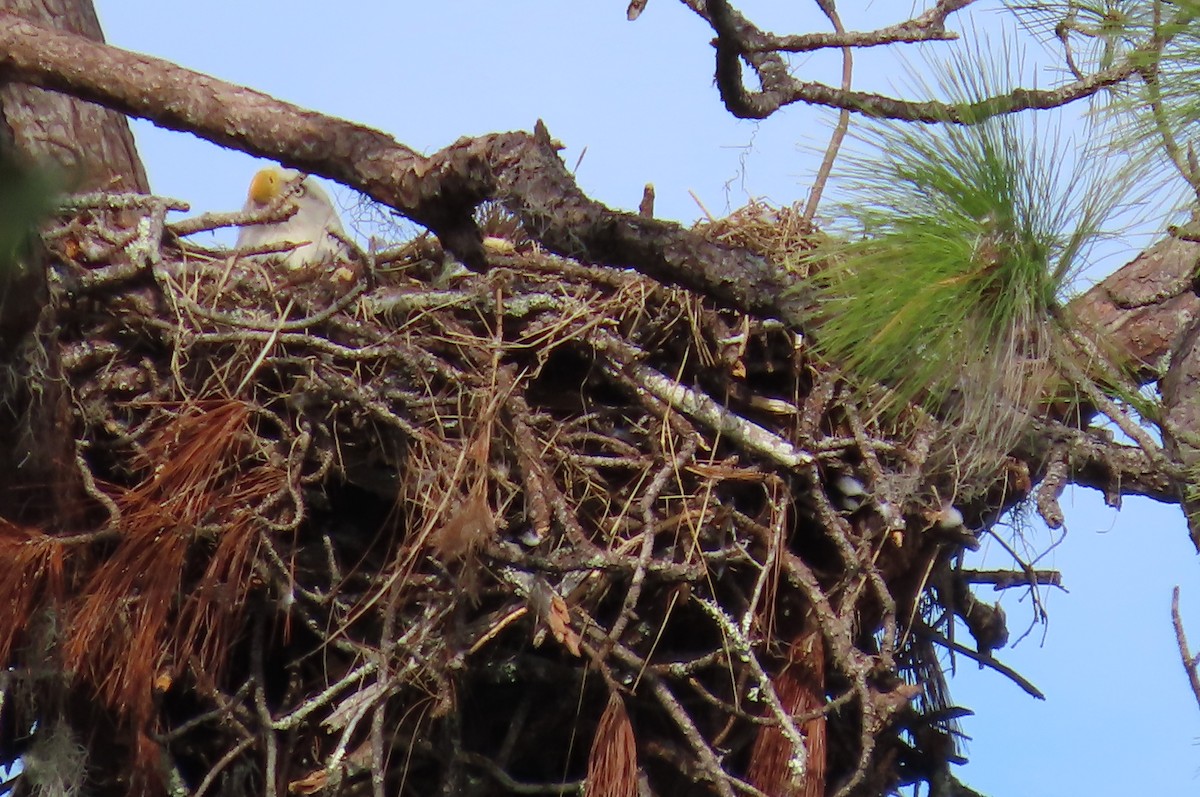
(439, 191)
(93, 145)
(523, 171)
(739, 41)
(1190, 662)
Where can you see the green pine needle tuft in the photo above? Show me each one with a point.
(1153, 114)
(962, 241)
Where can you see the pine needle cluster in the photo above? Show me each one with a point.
(1154, 114)
(961, 244)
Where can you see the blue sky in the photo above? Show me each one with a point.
(637, 101)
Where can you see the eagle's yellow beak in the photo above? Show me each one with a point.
(266, 185)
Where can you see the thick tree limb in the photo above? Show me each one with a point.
(1093, 460)
(1181, 428)
(439, 191)
(1145, 306)
(524, 171)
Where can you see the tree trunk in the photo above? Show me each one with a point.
(92, 143)
(39, 483)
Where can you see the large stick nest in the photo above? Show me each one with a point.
(427, 531)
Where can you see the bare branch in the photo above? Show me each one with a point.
(1003, 579)
(1190, 662)
(739, 40)
(843, 122)
(701, 407)
(985, 659)
(930, 26)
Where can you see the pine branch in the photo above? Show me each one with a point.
(440, 191)
(738, 39)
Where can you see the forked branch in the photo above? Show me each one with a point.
(739, 41)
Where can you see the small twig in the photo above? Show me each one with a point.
(984, 659)
(1190, 662)
(707, 758)
(347, 716)
(282, 209)
(378, 759)
(267, 733)
(102, 200)
(1005, 579)
(224, 761)
(263, 350)
(220, 712)
(768, 571)
(1103, 402)
(1063, 31)
(843, 123)
(1054, 481)
(649, 497)
(279, 324)
(514, 786)
(113, 526)
(146, 248)
(734, 711)
(744, 651)
(646, 206)
(1040, 612)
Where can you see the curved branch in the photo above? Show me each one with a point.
(738, 39)
(929, 26)
(1190, 662)
(523, 171)
(439, 191)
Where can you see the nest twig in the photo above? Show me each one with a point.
(379, 535)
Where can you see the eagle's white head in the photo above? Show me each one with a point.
(313, 228)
